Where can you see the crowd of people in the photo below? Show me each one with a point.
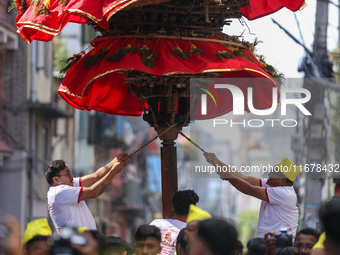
(199, 233)
(191, 230)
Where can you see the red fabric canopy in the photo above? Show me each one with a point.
(261, 8)
(102, 86)
(45, 27)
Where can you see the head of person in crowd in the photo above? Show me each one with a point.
(58, 173)
(100, 240)
(147, 240)
(283, 174)
(255, 246)
(214, 237)
(130, 249)
(35, 237)
(194, 216)
(181, 244)
(285, 250)
(115, 246)
(238, 248)
(305, 239)
(329, 217)
(182, 200)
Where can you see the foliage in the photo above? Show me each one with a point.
(195, 49)
(224, 54)
(119, 54)
(60, 54)
(183, 55)
(279, 77)
(95, 57)
(247, 225)
(179, 52)
(147, 55)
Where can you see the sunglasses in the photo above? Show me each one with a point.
(68, 174)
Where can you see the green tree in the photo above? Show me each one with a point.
(60, 54)
(247, 225)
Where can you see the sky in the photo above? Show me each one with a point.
(281, 51)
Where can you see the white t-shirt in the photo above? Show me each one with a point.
(280, 211)
(66, 208)
(169, 230)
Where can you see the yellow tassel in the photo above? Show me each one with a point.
(47, 4)
(145, 47)
(232, 49)
(150, 56)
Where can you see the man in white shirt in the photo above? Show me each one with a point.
(171, 227)
(66, 194)
(279, 208)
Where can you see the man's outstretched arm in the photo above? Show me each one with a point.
(248, 189)
(212, 159)
(101, 185)
(90, 179)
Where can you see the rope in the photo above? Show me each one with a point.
(192, 142)
(153, 139)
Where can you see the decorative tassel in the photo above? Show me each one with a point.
(13, 5)
(249, 58)
(254, 44)
(178, 51)
(239, 53)
(47, 4)
(148, 56)
(224, 54)
(119, 54)
(195, 49)
(70, 62)
(35, 3)
(279, 77)
(93, 59)
(42, 10)
(19, 5)
(63, 2)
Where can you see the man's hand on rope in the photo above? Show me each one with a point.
(211, 158)
(122, 159)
